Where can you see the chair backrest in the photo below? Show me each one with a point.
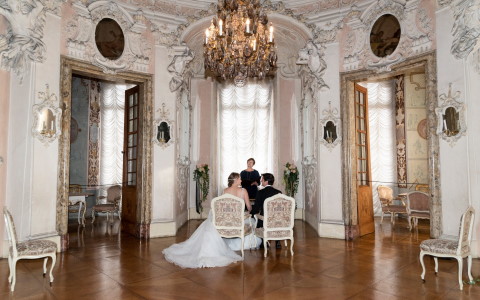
(114, 194)
(385, 194)
(228, 214)
(74, 188)
(422, 188)
(11, 232)
(418, 202)
(279, 213)
(466, 228)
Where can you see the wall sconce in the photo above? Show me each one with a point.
(47, 117)
(163, 128)
(331, 127)
(451, 117)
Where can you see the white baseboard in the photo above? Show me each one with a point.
(331, 230)
(299, 214)
(163, 228)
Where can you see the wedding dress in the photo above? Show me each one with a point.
(205, 248)
(250, 241)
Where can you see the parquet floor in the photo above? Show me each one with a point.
(103, 264)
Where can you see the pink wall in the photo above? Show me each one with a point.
(284, 122)
(4, 101)
(207, 132)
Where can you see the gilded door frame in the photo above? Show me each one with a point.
(68, 67)
(349, 196)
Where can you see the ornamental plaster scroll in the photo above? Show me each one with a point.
(46, 129)
(178, 66)
(312, 56)
(310, 170)
(331, 115)
(416, 38)
(451, 101)
(22, 44)
(164, 117)
(81, 37)
(466, 28)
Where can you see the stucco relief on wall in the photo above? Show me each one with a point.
(81, 37)
(466, 30)
(416, 38)
(22, 44)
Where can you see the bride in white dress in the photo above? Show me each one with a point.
(206, 248)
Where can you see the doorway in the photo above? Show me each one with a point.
(137, 223)
(351, 167)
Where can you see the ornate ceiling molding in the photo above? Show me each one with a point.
(81, 37)
(22, 44)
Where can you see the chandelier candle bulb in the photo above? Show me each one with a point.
(247, 26)
(220, 27)
(271, 33)
(206, 36)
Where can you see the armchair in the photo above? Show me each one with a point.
(458, 249)
(26, 250)
(112, 205)
(385, 194)
(418, 207)
(278, 220)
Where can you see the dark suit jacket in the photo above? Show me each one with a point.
(263, 194)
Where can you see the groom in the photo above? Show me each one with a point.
(268, 190)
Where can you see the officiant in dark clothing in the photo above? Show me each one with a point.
(250, 179)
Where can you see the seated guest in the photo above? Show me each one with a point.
(250, 179)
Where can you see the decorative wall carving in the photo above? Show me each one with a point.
(178, 66)
(81, 37)
(466, 29)
(312, 57)
(401, 144)
(47, 117)
(23, 43)
(94, 91)
(310, 170)
(451, 133)
(417, 34)
(164, 117)
(183, 178)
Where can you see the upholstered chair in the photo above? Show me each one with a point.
(228, 217)
(112, 204)
(385, 194)
(26, 250)
(278, 220)
(74, 189)
(458, 249)
(418, 207)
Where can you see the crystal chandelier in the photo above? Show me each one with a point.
(238, 43)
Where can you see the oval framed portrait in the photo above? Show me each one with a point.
(385, 35)
(109, 39)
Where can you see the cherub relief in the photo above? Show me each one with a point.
(311, 56)
(22, 43)
(177, 68)
(466, 29)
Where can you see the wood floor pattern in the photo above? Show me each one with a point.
(103, 264)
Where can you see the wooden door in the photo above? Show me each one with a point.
(364, 185)
(130, 157)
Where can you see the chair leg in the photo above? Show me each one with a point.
(410, 223)
(14, 275)
(10, 269)
(469, 264)
(392, 218)
(242, 244)
(435, 259)
(264, 247)
(45, 266)
(381, 220)
(422, 254)
(291, 247)
(93, 215)
(460, 268)
(54, 259)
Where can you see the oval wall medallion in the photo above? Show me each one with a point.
(385, 35)
(422, 129)
(109, 39)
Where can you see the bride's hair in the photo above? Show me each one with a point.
(232, 177)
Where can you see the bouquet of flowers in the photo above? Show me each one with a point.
(200, 175)
(291, 178)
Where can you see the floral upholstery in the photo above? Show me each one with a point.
(235, 232)
(229, 212)
(36, 247)
(458, 249)
(278, 214)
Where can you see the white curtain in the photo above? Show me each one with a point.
(383, 154)
(112, 114)
(245, 128)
